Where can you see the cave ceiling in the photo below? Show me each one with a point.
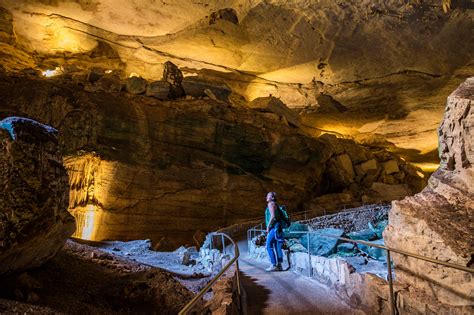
(368, 69)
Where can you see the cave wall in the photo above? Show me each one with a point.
(437, 222)
(144, 168)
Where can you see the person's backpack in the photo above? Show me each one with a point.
(284, 217)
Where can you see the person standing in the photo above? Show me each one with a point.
(274, 233)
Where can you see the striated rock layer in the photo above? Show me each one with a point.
(438, 222)
(143, 168)
(34, 221)
(353, 67)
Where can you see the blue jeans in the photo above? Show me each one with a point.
(274, 243)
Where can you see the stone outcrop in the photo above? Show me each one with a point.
(34, 221)
(438, 221)
(141, 168)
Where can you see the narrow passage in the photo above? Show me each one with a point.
(285, 292)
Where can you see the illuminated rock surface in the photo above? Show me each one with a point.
(142, 168)
(376, 68)
(438, 221)
(34, 221)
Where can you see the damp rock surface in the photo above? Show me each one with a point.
(34, 221)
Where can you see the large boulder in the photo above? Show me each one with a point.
(438, 222)
(136, 85)
(34, 221)
(174, 77)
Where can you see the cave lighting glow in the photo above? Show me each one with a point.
(52, 73)
(88, 223)
(427, 167)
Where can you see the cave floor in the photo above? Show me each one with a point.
(285, 292)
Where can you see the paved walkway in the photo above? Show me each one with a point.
(285, 292)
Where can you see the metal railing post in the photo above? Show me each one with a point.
(187, 308)
(309, 257)
(390, 283)
(223, 244)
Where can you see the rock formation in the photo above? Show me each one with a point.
(142, 168)
(438, 223)
(34, 221)
(324, 57)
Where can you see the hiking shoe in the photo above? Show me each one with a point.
(272, 268)
(279, 267)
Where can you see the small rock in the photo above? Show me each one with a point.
(109, 84)
(158, 89)
(136, 85)
(95, 74)
(391, 166)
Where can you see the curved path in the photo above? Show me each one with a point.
(285, 292)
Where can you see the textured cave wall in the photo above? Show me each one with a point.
(385, 66)
(34, 195)
(144, 168)
(438, 221)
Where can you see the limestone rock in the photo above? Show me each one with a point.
(109, 83)
(346, 164)
(391, 167)
(34, 222)
(158, 89)
(362, 168)
(384, 191)
(6, 27)
(95, 74)
(435, 223)
(136, 85)
(227, 14)
(197, 87)
(278, 107)
(173, 76)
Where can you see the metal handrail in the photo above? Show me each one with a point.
(338, 207)
(387, 249)
(192, 303)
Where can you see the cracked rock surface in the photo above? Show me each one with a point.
(34, 221)
(387, 66)
(438, 221)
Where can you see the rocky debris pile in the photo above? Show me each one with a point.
(352, 220)
(34, 221)
(368, 228)
(433, 222)
(82, 279)
(181, 262)
(369, 176)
